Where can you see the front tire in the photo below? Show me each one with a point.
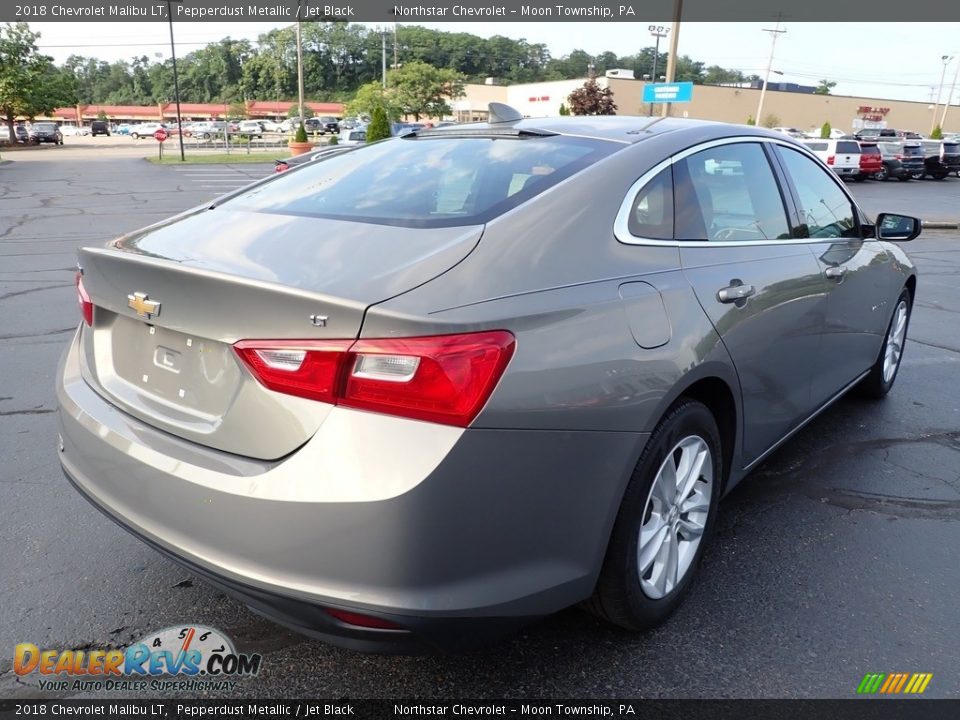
(667, 511)
(883, 374)
(883, 175)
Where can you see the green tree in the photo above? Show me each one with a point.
(564, 110)
(237, 109)
(422, 89)
(101, 115)
(771, 120)
(379, 127)
(301, 135)
(591, 99)
(372, 96)
(825, 130)
(30, 84)
(750, 120)
(937, 133)
(824, 87)
(294, 111)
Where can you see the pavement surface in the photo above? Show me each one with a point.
(837, 557)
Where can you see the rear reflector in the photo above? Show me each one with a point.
(358, 620)
(86, 307)
(444, 379)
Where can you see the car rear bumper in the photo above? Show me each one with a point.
(506, 526)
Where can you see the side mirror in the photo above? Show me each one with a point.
(900, 228)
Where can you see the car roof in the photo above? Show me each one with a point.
(621, 128)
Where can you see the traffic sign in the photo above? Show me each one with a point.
(668, 92)
(160, 135)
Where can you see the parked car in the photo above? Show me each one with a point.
(843, 156)
(901, 160)
(329, 124)
(45, 132)
(871, 161)
(250, 127)
(206, 130)
(100, 127)
(875, 134)
(270, 126)
(835, 134)
(402, 128)
(791, 131)
(446, 398)
(357, 136)
(950, 155)
(933, 165)
(146, 130)
(123, 128)
(21, 134)
(70, 130)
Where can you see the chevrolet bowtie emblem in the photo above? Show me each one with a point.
(144, 307)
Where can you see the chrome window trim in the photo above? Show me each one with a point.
(621, 229)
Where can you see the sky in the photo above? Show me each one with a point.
(880, 60)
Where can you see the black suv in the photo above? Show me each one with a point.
(46, 132)
(100, 127)
(902, 160)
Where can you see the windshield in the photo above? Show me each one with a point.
(427, 182)
(44, 127)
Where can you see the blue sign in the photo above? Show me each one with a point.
(668, 92)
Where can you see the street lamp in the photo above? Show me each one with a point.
(946, 105)
(657, 31)
(945, 59)
(176, 81)
(775, 33)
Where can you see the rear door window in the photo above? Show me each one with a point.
(729, 194)
(826, 210)
(651, 214)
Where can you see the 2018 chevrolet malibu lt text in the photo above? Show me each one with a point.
(427, 390)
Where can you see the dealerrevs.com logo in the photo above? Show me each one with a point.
(203, 658)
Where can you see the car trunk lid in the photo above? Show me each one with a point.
(172, 300)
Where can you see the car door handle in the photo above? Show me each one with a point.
(835, 272)
(733, 293)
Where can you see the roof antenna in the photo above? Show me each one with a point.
(501, 113)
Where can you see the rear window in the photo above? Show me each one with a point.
(817, 145)
(847, 146)
(951, 148)
(913, 150)
(429, 181)
(869, 150)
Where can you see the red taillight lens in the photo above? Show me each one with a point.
(86, 307)
(830, 159)
(309, 369)
(444, 379)
(359, 620)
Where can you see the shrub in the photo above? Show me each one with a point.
(334, 140)
(771, 121)
(379, 128)
(750, 120)
(301, 135)
(937, 133)
(564, 110)
(825, 131)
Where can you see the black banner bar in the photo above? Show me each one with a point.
(486, 11)
(857, 709)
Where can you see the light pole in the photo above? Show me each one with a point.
(775, 33)
(953, 86)
(383, 54)
(672, 57)
(657, 31)
(945, 59)
(299, 70)
(176, 81)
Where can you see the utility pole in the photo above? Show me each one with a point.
(775, 34)
(953, 86)
(945, 59)
(176, 83)
(383, 55)
(672, 57)
(299, 67)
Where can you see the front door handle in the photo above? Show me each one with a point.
(735, 293)
(835, 272)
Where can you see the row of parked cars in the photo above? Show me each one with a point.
(884, 157)
(33, 134)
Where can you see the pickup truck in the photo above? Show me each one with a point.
(843, 156)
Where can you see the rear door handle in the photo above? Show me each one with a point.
(835, 272)
(733, 293)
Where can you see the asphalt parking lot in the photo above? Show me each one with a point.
(836, 558)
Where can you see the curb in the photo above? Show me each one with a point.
(940, 224)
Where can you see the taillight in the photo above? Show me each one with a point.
(444, 379)
(86, 307)
(830, 160)
(360, 620)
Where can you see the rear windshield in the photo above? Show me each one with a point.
(847, 146)
(869, 150)
(913, 150)
(951, 148)
(816, 145)
(428, 181)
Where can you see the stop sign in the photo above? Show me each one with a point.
(160, 135)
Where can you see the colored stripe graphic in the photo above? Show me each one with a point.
(894, 683)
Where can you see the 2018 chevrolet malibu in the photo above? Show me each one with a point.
(432, 388)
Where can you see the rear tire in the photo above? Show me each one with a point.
(666, 514)
(884, 372)
(883, 175)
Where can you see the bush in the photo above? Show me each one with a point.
(334, 140)
(825, 131)
(564, 110)
(750, 120)
(771, 121)
(301, 135)
(379, 128)
(937, 133)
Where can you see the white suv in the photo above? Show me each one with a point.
(843, 156)
(146, 130)
(251, 127)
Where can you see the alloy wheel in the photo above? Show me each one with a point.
(895, 339)
(675, 516)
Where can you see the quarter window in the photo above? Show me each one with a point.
(651, 215)
(729, 194)
(825, 209)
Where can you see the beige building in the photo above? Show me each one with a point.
(710, 102)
